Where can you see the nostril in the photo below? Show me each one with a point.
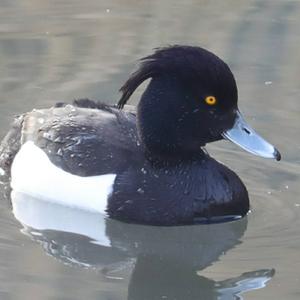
(246, 130)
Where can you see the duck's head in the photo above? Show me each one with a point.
(191, 100)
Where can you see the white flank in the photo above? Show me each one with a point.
(34, 174)
(2, 172)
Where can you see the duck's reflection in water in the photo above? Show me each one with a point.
(166, 260)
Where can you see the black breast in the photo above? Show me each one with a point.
(192, 192)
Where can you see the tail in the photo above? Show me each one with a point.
(10, 145)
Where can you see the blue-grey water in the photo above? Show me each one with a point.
(60, 50)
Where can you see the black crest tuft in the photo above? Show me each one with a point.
(187, 62)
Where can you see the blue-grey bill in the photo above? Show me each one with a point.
(245, 137)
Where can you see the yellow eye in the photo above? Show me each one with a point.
(210, 100)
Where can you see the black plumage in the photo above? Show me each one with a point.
(163, 175)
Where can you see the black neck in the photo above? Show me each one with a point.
(165, 122)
